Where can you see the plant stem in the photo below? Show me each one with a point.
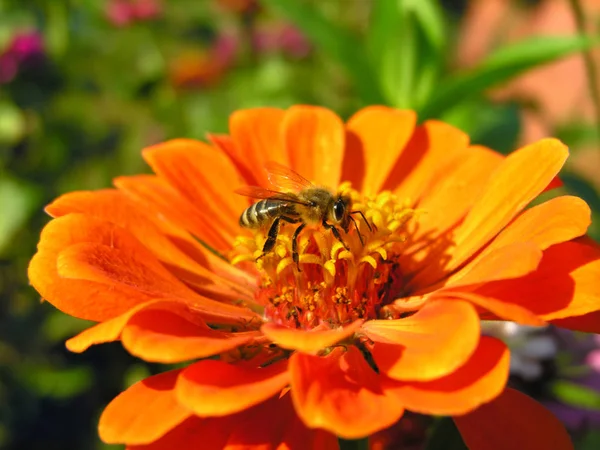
(359, 444)
(590, 65)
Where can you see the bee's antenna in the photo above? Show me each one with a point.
(363, 217)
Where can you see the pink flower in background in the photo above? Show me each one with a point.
(593, 358)
(124, 12)
(283, 38)
(238, 6)
(25, 49)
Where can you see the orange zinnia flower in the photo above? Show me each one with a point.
(291, 359)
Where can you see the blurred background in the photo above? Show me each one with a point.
(86, 84)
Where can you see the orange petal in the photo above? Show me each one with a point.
(308, 341)
(246, 430)
(341, 393)
(215, 388)
(127, 268)
(448, 198)
(160, 197)
(163, 336)
(113, 206)
(513, 420)
(503, 310)
(226, 144)
(257, 137)
(79, 297)
(314, 138)
(431, 150)
(144, 412)
(382, 136)
(430, 344)
(588, 323)
(110, 330)
(502, 263)
(522, 176)
(557, 220)
(172, 212)
(565, 284)
(480, 380)
(96, 270)
(204, 176)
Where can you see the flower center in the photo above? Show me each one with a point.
(334, 285)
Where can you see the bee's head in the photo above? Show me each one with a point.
(340, 212)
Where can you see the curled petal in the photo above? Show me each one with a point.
(144, 412)
(513, 420)
(308, 341)
(314, 138)
(481, 379)
(215, 388)
(86, 299)
(167, 337)
(430, 344)
(341, 393)
(503, 310)
(110, 330)
(565, 284)
(114, 206)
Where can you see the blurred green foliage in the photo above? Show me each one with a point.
(105, 85)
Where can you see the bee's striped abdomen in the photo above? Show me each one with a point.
(262, 212)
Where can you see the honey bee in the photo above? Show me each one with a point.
(307, 205)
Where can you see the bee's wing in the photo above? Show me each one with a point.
(283, 177)
(262, 193)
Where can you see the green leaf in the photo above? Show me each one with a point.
(500, 67)
(337, 42)
(59, 383)
(445, 436)
(405, 43)
(591, 441)
(495, 125)
(18, 200)
(582, 188)
(12, 123)
(576, 395)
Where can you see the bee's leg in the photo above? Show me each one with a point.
(295, 255)
(336, 233)
(271, 238)
(364, 218)
(273, 232)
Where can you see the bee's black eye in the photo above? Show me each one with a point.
(338, 210)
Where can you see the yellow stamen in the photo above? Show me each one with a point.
(333, 285)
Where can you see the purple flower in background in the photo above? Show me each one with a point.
(26, 49)
(581, 369)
